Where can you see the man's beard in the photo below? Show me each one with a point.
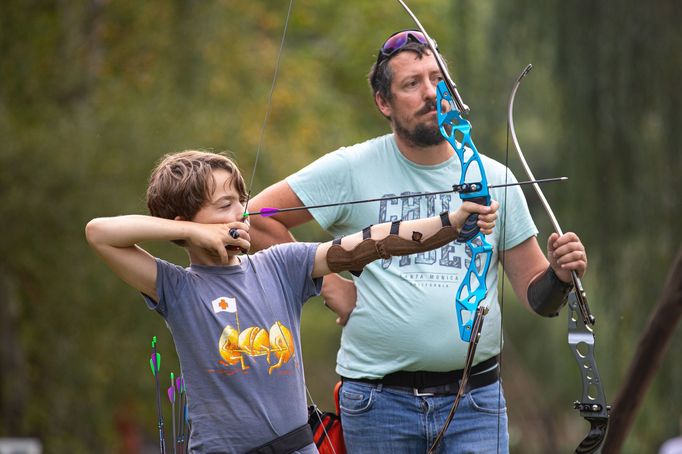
(424, 134)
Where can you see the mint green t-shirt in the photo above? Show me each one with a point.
(405, 317)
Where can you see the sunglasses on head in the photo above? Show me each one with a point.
(398, 40)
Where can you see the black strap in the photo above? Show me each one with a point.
(445, 219)
(289, 442)
(366, 233)
(395, 227)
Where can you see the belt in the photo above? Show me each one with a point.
(425, 383)
(289, 442)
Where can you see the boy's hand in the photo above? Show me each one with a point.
(221, 239)
(486, 215)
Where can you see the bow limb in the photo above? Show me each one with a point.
(587, 316)
(449, 83)
(592, 406)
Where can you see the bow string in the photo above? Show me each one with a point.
(261, 139)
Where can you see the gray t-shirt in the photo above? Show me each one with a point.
(405, 318)
(237, 333)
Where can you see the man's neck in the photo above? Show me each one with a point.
(427, 156)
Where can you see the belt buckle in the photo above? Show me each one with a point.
(417, 393)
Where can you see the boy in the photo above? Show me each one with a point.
(235, 319)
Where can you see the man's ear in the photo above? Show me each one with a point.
(179, 218)
(383, 105)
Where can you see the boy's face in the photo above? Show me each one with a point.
(223, 204)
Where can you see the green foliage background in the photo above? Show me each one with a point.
(93, 92)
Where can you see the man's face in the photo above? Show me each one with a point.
(223, 204)
(413, 106)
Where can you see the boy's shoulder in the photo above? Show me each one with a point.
(295, 260)
(288, 252)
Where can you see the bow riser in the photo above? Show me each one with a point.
(473, 289)
(457, 131)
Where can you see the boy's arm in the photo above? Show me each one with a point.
(414, 234)
(115, 239)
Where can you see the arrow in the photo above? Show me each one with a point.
(155, 363)
(459, 188)
(185, 410)
(180, 387)
(171, 397)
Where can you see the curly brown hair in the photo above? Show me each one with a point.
(181, 183)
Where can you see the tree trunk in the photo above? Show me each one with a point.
(652, 347)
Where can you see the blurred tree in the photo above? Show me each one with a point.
(92, 93)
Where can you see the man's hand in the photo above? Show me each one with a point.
(566, 253)
(340, 296)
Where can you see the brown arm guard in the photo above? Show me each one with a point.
(369, 250)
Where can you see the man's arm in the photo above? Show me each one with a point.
(528, 269)
(271, 230)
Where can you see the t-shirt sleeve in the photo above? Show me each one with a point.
(515, 209)
(326, 180)
(296, 262)
(170, 280)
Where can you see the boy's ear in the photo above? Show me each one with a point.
(179, 218)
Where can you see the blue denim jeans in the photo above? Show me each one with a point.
(377, 419)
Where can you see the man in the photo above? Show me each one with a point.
(401, 354)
